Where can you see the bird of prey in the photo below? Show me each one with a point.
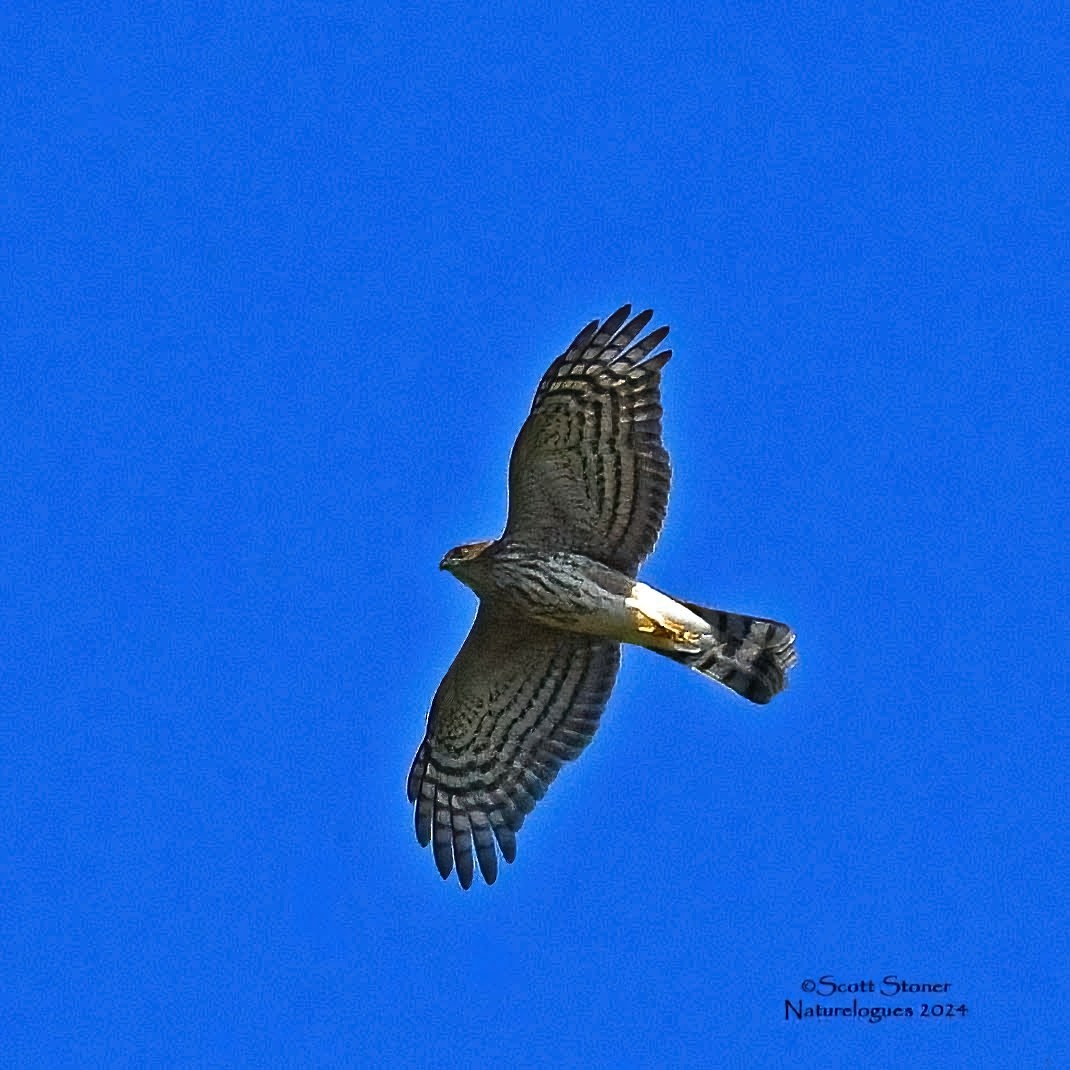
(558, 594)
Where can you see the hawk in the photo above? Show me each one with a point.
(558, 594)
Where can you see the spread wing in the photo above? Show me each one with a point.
(518, 700)
(588, 471)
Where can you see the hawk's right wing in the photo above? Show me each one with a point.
(589, 472)
(518, 700)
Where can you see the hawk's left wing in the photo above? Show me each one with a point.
(589, 472)
(518, 700)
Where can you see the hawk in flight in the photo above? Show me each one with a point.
(558, 594)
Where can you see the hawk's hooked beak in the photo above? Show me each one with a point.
(461, 554)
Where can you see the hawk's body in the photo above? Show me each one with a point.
(588, 486)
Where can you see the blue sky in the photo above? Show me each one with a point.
(279, 285)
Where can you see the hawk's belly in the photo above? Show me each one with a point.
(575, 593)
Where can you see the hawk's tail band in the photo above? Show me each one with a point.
(748, 654)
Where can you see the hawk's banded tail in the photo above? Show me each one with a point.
(748, 654)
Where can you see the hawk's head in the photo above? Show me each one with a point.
(459, 556)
